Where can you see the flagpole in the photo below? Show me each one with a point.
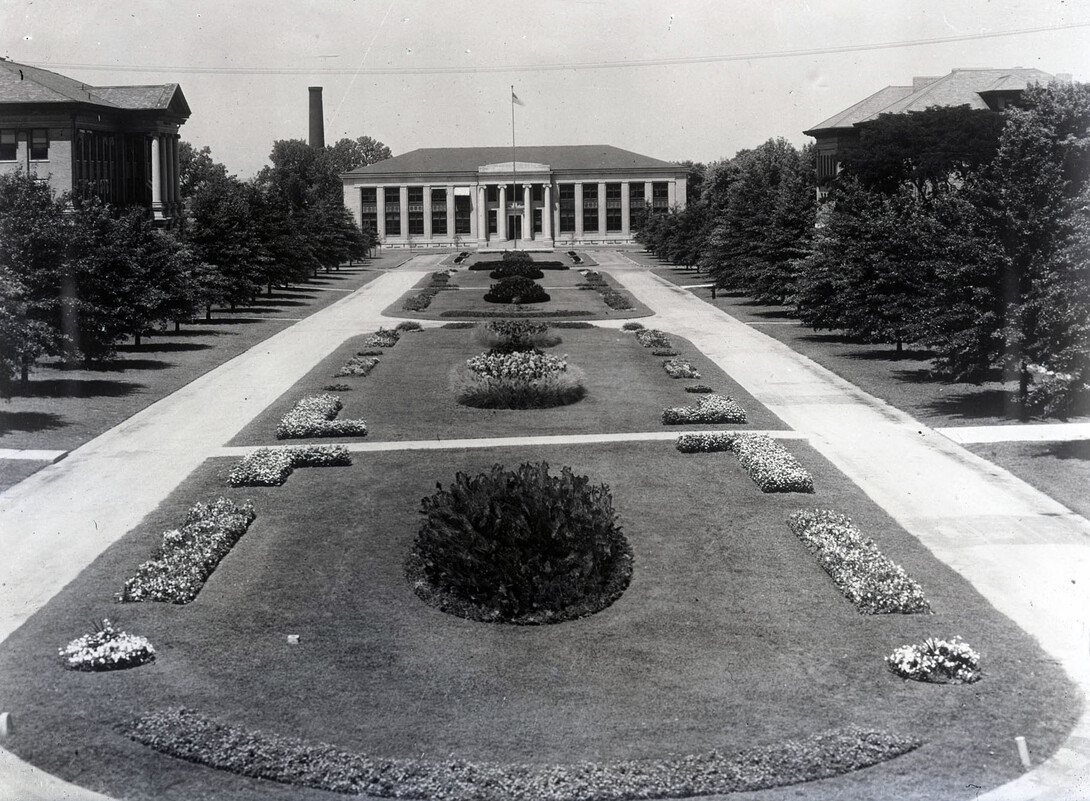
(514, 164)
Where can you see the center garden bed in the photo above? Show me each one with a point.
(729, 637)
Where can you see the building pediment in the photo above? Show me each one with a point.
(512, 166)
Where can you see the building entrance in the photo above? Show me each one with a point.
(514, 226)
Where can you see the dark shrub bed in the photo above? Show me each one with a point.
(495, 264)
(195, 737)
(518, 290)
(520, 546)
(507, 270)
(488, 314)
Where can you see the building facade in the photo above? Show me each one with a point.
(481, 197)
(993, 89)
(119, 143)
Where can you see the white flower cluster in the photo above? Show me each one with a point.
(106, 649)
(769, 464)
(314, 416)
(383, 338)
(270, 467)
(187, 557)
(704, 441)
(524, 365)
(357, 365)
(711, 409)
(938, 661)
(679, 368)
(652, 338)
(868, 579)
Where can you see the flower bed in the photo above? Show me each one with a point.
(422, 299)
(704, 441)
(383, 338)
(517, 290)
(204, 740)
(769, 464)
(652, 338)
(679, 368)
(106, 649)
(711, 409)
(187, 557)
(521, 379)
(936, 661)
(517, 366)
(512, 335)
(314, 416)
(357, 365)
(270, 467)
(867, 578)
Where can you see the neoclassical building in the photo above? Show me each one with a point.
(117, 142)
(481, 197)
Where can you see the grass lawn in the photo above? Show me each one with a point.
(466, 299)
(64, 406)
(1059, 469)
(408, 395)
(729, 636)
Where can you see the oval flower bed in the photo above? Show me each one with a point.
(107, 648)
(521, 379)
(936, 661)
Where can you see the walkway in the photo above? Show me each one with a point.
(1026, 553)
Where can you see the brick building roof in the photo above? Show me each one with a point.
(22, 83)
(558, 157)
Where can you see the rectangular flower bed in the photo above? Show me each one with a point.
(712, 408)
(867, 578)
(357, 365)
(769, 464)
(704, 441)
(679, 368)
(187, 557)
(652, 338)
(314, 415)
(270, 467)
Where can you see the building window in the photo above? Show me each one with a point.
(493, 194)
(39, 144)
(9, 146)
(537, 221)
(439, 212)
(463, 213)
(538, 193)
(393, 212)
(635, 195)
(660, 195)
(613, 207)
(566, 196)
(368, 208)
(590, 207)
(493, 215)
(416, 211)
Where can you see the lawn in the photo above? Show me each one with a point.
(408, 395)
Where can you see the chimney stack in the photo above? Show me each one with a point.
(317, 123)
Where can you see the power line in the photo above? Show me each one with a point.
(578, 65)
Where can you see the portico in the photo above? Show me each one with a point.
(475, 198)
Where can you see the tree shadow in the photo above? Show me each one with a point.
(1067, 450)
(74, 388)
(110, 365)
(228, 320)
(835, 339)
(272, 303)
(29, 421)
(773, 314)
(154, 346)
(977, 404)
(891, 354)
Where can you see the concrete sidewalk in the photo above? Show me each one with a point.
(1026, 553)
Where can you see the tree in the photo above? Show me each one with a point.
(348, 154)
(197, 167)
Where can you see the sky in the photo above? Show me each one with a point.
(692, 79)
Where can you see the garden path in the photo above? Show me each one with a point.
(1026, 553)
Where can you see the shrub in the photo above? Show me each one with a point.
(270, 467)
(524, 269)
(420, 300)
(679, 368)
(664, 352)
(704, 441)
(517, 290)
(652, 338)
(337, 388)
(314, 415)
(461, 326)
(106, 648)
(867, 578)
(521, 546)
(517, 257)
(572, 324)
(618, 301)
(357, 365)
(383, 338)
(699, 388)
(769, 464)
(711, 409)
(512, 335)
(936, 661)
(410, 325)
(632, 325)
(518, 380)
(187, 557)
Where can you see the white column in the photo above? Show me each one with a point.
(648, 192)
(527, 213)
(450, 211)
(403, 209)
(601, 208)
(156, 179)
(671, 196)
(578, 211)
(427, 212)
(682, 191)
(501, 214)
(547, 213)
(380, 212)
(626, 208)
(479, 230)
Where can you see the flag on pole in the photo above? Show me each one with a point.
(515, 99)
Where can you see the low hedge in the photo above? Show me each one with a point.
(494, 264)
(769, 464)
(488, 313)
(205, 740)
(868, 579)
(314, 416)
(188, 556)
(270, 467)
(632, 325)
(699, 388)
(509, 270)
(711, 409)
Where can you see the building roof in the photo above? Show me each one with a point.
(22, 83)
(961, 87)
(558, 157)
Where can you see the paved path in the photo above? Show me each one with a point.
(1026, 553)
